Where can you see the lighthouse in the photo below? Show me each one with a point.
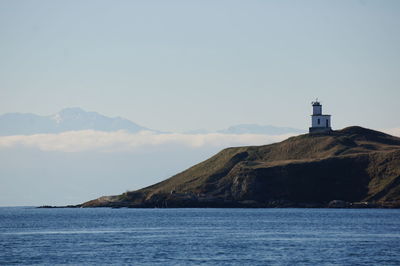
(319, 123)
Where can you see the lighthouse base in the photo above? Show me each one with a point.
(320, 129)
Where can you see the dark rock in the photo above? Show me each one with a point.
(338, 204)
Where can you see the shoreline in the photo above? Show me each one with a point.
(240, 205)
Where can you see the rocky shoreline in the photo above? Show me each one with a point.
(337, 204)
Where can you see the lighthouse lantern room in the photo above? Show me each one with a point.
(319, 123)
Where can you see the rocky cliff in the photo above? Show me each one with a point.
(352, 167)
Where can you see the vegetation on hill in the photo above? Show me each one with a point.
(354, 167)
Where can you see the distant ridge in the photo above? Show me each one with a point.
(259, 129)
(250, 129)
(352, 167)
(66, 120)
(72, 119)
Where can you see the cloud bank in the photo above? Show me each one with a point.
(91, 140)
(392, 131)
(122, 141)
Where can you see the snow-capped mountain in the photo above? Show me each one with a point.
(71, 119)
(67, 119)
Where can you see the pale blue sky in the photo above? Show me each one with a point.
(182, 65)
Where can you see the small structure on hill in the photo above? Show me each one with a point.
(319, 123)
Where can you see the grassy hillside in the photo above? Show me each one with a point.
(353, 164)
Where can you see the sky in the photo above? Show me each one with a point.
(185, 65)
(178, 66)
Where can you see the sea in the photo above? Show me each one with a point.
(105, 236)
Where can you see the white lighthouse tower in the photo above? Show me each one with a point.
(319, 123)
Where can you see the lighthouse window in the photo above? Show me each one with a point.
(319, 121)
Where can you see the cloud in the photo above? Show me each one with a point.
(90, 140)
(122, 141)
(392, 131)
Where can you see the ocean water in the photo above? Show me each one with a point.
(199, 236)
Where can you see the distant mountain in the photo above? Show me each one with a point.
(353, 167)
(259, 129)
(76, 118)
(66, 120)
(250, 129)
